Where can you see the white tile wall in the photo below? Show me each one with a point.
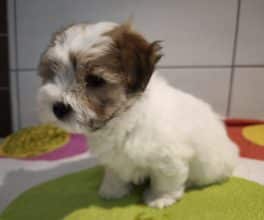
(211, 85)
(195, 32)
(248, 93)
(250, 48)
(199, 37)
(28, 85)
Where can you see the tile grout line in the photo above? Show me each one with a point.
(249, 66)
(193, 66)
(232, 73)
(211, 66)
(173, 67)
(16, 62)
(13, 114)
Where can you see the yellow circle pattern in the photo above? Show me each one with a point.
(254, 134)
(33, 141)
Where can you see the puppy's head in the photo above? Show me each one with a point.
(90, 73)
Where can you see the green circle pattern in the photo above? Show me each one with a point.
(74, 197)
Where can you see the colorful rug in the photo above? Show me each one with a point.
(249, 136)
(48, 143)
(75, 196)
(39, 148)
(42, 142)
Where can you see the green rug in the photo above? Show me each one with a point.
(74, 197)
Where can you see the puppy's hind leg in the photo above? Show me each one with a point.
(166, 185)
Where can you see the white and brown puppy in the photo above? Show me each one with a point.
(100, 79)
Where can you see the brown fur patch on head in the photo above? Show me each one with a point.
(133, 56)
(108, 80)
(126, 66)
(99, 84)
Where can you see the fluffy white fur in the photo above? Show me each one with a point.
(167, 135)
(80, 38)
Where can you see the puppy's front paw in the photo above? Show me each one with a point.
(110, 192)
(160, 201)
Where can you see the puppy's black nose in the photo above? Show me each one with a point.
(61, 110)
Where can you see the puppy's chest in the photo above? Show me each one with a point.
(126, 166)
(123, 153)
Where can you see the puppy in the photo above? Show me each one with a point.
(100, 79)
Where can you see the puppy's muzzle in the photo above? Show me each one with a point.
(61, 110)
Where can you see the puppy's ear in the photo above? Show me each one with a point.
(137, 57)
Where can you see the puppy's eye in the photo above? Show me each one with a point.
(93, 81)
